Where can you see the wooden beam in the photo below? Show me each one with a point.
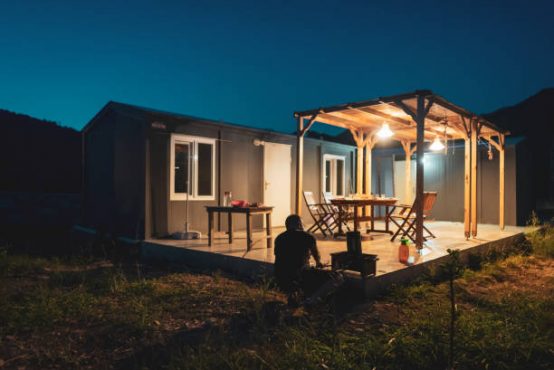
(357, 135)
(409, 111)
(467, 125)
(408, 123)
(467, 187)
(337, 121)
(501, 199)
(459, 128)
(388, 117)
(474, 160)
(490, 140)
(299, 166)
(309, 125)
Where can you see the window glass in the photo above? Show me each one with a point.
(205, 170)
(334, 174)
(182, 160)
(192, 168)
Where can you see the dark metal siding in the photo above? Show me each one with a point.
(445, 175)
(129, 176)
(98, 191)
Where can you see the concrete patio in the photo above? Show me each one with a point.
(234, 257)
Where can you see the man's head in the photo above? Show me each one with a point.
(294, 222)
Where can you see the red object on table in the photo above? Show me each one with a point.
(239, 203)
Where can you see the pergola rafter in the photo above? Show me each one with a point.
(415, 118)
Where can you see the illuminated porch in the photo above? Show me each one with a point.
(412, 119)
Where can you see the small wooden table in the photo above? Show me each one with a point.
(248, 211)
(364, 202)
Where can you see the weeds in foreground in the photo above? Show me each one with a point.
(106, 315)
(542, 240)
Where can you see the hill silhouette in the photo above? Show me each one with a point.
(38, 155)
(534, 119)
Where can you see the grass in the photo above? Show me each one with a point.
(77, 313)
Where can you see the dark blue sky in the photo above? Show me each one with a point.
(256, 62)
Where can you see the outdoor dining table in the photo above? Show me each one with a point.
(372, 202)
(248, 212)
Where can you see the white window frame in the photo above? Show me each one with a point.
(334, 158)
(193, 141)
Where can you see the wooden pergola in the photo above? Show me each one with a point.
(414, 118)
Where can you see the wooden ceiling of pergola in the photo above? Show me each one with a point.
(368, 116)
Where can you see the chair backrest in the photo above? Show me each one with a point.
(313, 206)
(309, 198)
(429, 198)
(327, 196)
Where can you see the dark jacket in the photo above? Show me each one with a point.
(292, 255)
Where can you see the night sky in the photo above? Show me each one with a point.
(257, 62)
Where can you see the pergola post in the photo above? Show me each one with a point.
(359, 168)
(467, 187)
(358, 137)
(299, 165)
(409, 151)
(419, 118)
(501, 181)
(301, 131)
(420, 122)
(473, 155)
(369, 144)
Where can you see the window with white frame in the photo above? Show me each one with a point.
(192, 164)
(334, 174)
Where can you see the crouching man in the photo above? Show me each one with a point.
(295, 277)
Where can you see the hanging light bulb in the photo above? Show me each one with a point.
(385, 131)
(436, 145)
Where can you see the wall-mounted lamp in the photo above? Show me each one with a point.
(258, 142)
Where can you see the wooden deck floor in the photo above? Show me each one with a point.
(449, 235)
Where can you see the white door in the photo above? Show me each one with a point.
(277, 181)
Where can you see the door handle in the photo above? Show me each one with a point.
(266, 184)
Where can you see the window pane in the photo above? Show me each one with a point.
(182, 152)
(340, 177)
(327, 175)
(205, 170)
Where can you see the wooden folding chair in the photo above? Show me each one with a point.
(405, 218)
(323, 219)
(340, 214)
